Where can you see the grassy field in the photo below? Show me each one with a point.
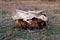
(8, 32)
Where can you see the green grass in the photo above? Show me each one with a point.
(52, 29)
(19, 33)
